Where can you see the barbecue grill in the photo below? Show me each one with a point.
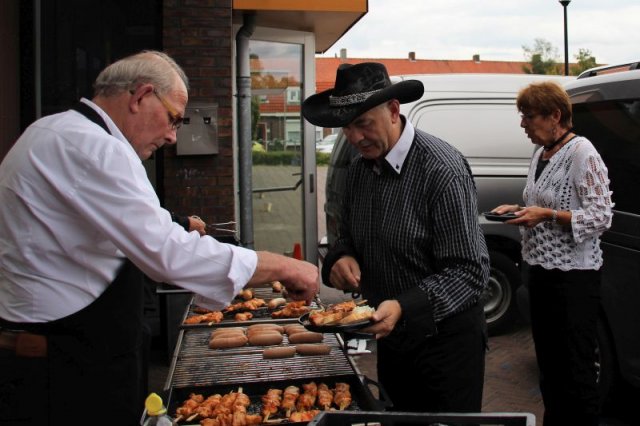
(195, 368)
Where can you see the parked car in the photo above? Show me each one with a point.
(606, 109)
(327, 143)
(476, 113)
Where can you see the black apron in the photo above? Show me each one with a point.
(93, 368)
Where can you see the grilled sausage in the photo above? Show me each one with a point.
(227, 333)
(313, 349)
(305, 337)
(265, 327)
(265, 339)
(228, 342)
(228, 329)
(294, 328)
(279, 352)
(274, 303)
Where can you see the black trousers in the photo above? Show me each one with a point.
(564, 315)
(448, 368)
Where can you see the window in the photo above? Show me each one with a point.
(613, 127)
(293, 95)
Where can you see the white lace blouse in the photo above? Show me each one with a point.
(575, 179)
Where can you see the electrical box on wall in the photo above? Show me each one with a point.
(199, 132)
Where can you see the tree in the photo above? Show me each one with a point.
(542, 57)
(585, 60)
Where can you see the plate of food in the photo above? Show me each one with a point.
(499, 217)
(342, 317)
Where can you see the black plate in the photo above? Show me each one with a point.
(334, 328)
(499, 217)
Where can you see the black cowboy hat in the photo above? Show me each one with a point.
(358, 88)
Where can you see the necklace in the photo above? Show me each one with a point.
(556, 142)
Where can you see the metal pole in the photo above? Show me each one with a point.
(564, 4)
(243, 87)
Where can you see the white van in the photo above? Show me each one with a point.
(476, 113)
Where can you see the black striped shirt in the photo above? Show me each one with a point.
(416, 230)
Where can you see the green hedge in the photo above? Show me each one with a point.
(280, 158)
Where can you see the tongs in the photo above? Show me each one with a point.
(220, 227)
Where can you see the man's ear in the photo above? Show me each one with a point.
(137, 95)
(394, 107)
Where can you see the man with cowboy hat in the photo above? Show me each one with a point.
(409, 241)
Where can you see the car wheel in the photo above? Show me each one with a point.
(499, 299)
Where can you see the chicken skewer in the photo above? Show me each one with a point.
(189, 406)
(289, 398)
(307, 400)
(271, 403)
(325, 396)
(342, 395)
(303, 416)
(205, 409)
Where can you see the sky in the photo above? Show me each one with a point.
(494, 29)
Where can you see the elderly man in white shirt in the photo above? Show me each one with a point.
(79, 220)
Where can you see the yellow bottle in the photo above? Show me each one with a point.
(156, 412)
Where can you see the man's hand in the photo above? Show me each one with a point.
(345, 274)
(385, 318)
(302, 281)
(197, 224)
(300, 278)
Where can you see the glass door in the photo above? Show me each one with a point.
(284, 196)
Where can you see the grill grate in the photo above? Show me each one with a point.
(260, 315)
(251, 367)
(195, 343)
(197, 364)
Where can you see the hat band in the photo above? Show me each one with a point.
(356, 98)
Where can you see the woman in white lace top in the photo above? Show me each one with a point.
(567, 207)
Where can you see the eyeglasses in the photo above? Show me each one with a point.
(528, 117)
(175, 121)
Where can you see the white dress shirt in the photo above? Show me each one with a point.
(74, 202)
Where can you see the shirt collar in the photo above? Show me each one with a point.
(396, 156)
(115, 131)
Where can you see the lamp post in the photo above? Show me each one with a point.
(564, 4)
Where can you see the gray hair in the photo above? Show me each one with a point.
(149, 66)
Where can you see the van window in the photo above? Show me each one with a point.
(613, 128)
(479, 130)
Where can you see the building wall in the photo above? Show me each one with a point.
(198, 35)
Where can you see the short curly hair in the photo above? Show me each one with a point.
(544, 98)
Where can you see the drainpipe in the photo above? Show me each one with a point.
(243, 86)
